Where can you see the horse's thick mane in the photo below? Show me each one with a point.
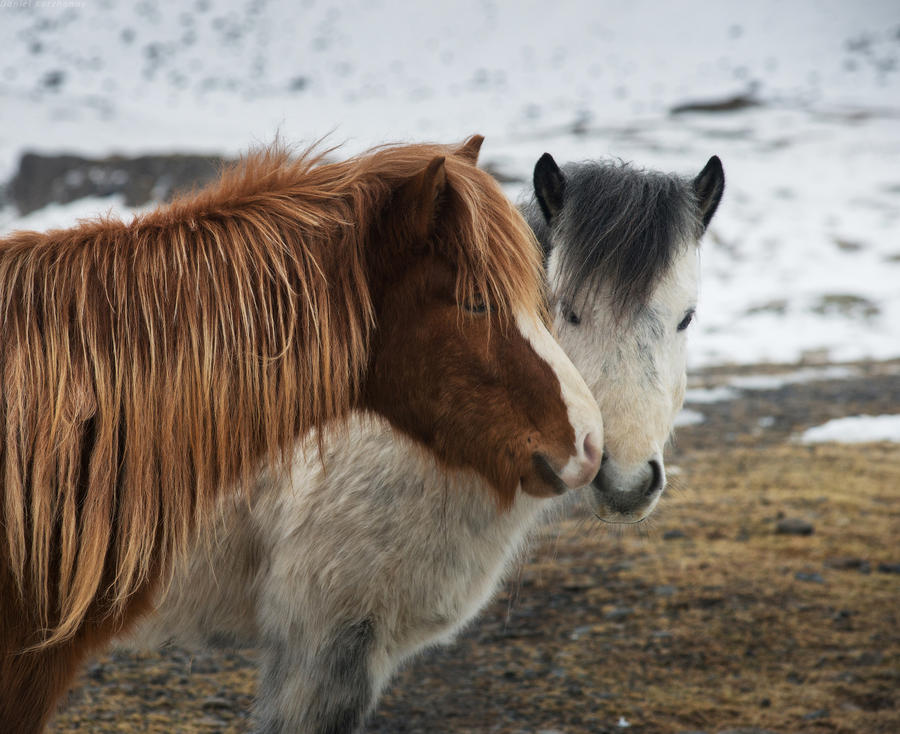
(622, 226)
(146, 367)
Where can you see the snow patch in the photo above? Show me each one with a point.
(855, 429)
(61, 216)
(710, 395)
(777, 381)
(688, 417)
(749, 383)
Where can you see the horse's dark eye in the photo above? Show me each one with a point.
(686, 321)
(476, 307)
(570, 316)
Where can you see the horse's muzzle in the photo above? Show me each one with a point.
(617, 504)
(576, 471)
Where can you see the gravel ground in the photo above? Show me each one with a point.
(761, 596)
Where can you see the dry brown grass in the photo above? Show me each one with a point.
(721, 631)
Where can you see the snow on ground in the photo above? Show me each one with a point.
(747, 383)
(779, 380)
(803, 259)
(688, 417)
(58, 216)
(855, 429)
(710, 395)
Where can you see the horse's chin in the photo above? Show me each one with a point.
(614, 513)
(617, 518)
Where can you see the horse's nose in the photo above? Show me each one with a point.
(583, 467)
(593, 447)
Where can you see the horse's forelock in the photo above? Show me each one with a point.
(477, 229)
(497, 255)
(620, 228)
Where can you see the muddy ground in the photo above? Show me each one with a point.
(705, 619)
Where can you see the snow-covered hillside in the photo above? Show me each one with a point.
(803, 260)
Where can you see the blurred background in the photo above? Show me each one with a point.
(113, 106)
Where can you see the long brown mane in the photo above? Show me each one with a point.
(146, 367)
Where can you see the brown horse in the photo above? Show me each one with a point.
(149, 367)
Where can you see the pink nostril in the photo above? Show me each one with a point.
(593, 449)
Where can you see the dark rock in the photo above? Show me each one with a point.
(793, 526)
(618, 613)
(298, 84)
(815, 578)
(845, 564)
(501, 176)
(818, 714)
(54, 79)
(60, 179)
(673, 535)
(217, 702)
(735, 103)
(889, 568)
(869, 657)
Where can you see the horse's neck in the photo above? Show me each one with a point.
(382, 467)
(391, 533)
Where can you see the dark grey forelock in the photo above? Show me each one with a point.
(619, 227)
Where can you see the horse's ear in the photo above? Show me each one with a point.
(708, 186)
(549, 186)
(421, 196)
(470, 148)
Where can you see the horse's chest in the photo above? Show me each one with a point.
(457, 574)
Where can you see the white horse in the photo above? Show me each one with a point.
(371, 550)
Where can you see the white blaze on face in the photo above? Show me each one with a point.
(583, 411)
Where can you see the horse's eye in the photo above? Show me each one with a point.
(686, 321)
(477, 306)
(570, 316)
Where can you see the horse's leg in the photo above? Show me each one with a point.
(325, 691)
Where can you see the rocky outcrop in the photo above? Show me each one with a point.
(59, 179)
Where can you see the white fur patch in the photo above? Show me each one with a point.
(584, 414)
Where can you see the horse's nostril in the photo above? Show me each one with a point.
(656, 478)
(605, 458)
(592, 448)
